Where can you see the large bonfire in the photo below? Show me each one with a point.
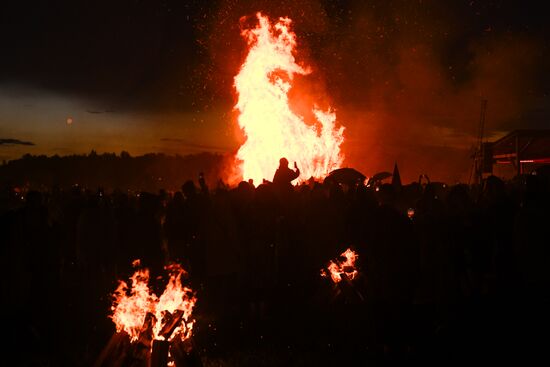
(271, 128)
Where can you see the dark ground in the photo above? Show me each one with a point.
(465, 280)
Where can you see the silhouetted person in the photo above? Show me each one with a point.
(148, 228)
(202, 183)
(194, 211)
(175, 227)
(284, 175)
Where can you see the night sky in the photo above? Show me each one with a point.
(406, 77)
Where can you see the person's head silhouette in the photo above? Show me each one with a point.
(283, 162)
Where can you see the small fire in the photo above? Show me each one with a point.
(137, 310)
(272, 130)
(344, 266)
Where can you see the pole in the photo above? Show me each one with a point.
(479, 156)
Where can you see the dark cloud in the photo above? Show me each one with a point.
(194, 146)
(136, 55)
(183, 55)
(15, 142)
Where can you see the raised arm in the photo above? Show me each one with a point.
(296, 171)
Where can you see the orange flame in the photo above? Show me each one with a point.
(131, 306)
(337, 269)
(175, 297)
(272, 130)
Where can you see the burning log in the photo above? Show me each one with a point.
(343, 272)
(136, 308)
(148, 325)
(171, 321)
(145, 336)
(342, 267)
(182, 353)
(142, 347)
(121, 351)
(159, 355)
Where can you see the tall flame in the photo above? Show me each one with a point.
(272, 130)
(175, 298)
(344, 267)
(131, 306)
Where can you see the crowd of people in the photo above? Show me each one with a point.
(445, 271)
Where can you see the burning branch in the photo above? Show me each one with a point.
(342, 268)
(342, 271)
(152, 322)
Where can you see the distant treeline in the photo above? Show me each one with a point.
(149, 172)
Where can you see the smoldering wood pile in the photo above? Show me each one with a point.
(346, 291)
(120, 351)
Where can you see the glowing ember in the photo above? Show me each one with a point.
(171, 312)
(342, 268)
(272, 130)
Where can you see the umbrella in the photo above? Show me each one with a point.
(380, 176)
(346, 176)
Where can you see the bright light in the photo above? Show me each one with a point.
(272, 129)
